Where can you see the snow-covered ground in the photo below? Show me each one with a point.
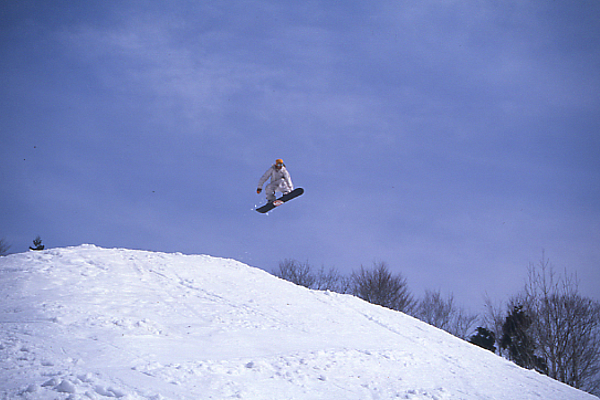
(91, 323)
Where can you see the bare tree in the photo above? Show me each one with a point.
(379, 286)
(296, 272)
(443, 313)
(463, 323)
(494, 318)
(331, 280)
(566, 326)
(4, 247)
(303, 274)
(435, 310)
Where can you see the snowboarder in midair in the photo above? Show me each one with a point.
(280, 180)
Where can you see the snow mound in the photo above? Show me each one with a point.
(91, 323)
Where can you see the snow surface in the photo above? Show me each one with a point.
(91, 323)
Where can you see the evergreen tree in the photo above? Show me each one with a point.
(37, 242)
(484, 338)
(519, 342)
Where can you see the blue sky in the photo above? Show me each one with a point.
(454, 140)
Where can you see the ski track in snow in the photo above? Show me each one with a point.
(91, 323)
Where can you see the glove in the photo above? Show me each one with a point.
(258, 190)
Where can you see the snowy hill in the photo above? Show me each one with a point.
(86, 322)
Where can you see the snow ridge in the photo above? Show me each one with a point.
(91, 323)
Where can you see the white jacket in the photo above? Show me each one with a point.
(280, 178)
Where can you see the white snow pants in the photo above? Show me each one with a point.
(278, 186)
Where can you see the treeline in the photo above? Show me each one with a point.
(378, 285)
(548, 327)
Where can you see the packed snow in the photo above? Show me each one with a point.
(92, 323)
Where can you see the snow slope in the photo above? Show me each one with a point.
(91, 323)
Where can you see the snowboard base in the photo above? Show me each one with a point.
(286, 197)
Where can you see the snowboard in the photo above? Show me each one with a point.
(272, 204)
